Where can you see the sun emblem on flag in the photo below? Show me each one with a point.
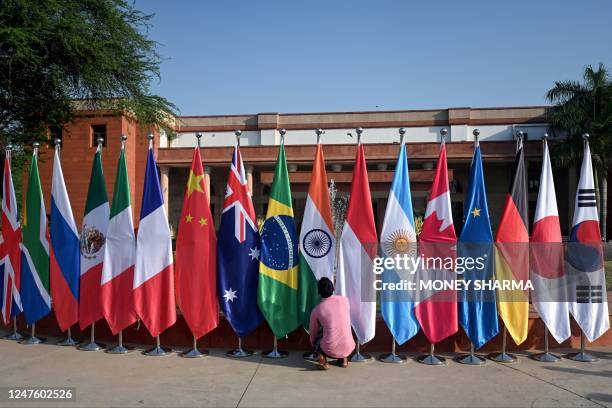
(400, 242)
(316, 243)
(91, 241)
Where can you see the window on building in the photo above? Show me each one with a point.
(98, 132)
(55, 132)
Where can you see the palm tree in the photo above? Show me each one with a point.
(584, 108)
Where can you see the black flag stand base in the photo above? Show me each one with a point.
(32, 339)
(546, 356)
(119, 348)
(582, 356)
(391, 357)
(471, 359)
(357, 357)
(239, 352)
(275, 352)
(431, 358)
(68, 341)
(194, 352)
(157, 351)
(92, 345)
(503, 357)
(15, 335)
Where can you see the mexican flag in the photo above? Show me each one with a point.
(317, 241)
(278, 267)
(116, 292)
(93, 240)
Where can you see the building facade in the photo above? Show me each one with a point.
(261, 137)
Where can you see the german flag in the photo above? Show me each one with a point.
(512, 253)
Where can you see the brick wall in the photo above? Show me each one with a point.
(77, 155)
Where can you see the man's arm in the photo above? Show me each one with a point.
(314, 326)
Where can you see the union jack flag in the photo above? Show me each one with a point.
(10, 247)
(237, 196)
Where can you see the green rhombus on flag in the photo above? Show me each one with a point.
(278, 267)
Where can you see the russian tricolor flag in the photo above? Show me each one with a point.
(65, 257)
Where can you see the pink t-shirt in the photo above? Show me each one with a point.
(333, 314)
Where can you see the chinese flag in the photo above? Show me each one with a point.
(196, 262)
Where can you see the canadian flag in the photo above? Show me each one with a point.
(436, 311)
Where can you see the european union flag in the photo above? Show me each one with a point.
(477, 307)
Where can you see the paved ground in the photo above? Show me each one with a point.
(136, 380)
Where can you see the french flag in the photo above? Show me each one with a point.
(154, 272)
(65, 256)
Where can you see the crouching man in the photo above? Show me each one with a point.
(330, 326)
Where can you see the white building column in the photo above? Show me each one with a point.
(164, 181)
(249, 168)
(207, 170)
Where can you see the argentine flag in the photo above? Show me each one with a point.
(398, 237)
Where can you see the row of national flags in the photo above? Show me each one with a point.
(269, 272)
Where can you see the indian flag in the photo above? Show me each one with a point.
(317, 241)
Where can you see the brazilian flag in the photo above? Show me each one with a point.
(277, 294)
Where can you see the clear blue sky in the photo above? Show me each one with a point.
(249, 56)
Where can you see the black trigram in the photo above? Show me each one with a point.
(586, 197)
(589, 293)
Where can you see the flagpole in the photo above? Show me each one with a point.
(583, 356)
(239, 352)
(431, 358)
(194, 352)
(158, 350)
(357, 357)
(33, 339)
(313, 355)
(275, 352)
(92, 345)
(15, 335)
(472, 359)
(546, 356)
(68, 341)
(119, 348)
(392, 357)
(505, 357)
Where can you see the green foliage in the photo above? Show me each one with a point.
(55, 51)
(583, 108)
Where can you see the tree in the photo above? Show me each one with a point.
(53, 52)
(584, 108)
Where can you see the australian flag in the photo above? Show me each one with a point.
(477, 308)
(238, 252)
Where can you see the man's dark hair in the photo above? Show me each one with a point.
(326, 287)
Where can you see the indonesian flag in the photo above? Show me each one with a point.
(119, 255)
(196, 256)
(11, 252)
(154, 272)
(512, 254)
(546, 266)
(436, 311)
(64, 253)
(93, 242)
(317, 240)
(358, 247)
(589, 303)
